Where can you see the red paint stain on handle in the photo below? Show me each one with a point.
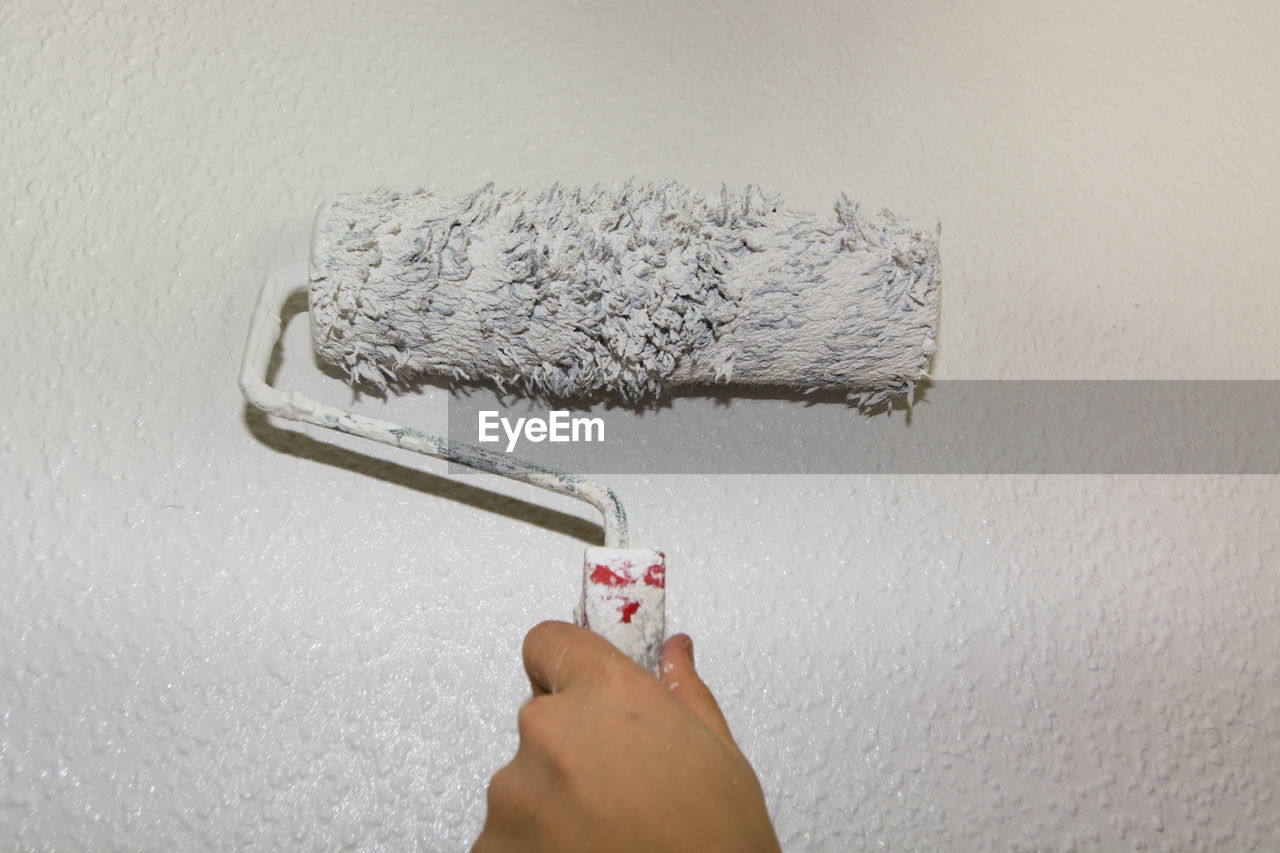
(607, 576)
(629, 609)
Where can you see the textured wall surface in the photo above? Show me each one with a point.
(221, 632)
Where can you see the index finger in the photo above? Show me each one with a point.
(557, 655)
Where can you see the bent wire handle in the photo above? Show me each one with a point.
(264, 331)
(623, 589)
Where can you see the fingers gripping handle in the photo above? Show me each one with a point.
(624, 594)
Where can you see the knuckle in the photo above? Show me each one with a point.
(543, 724)
(538, 634)
(535, 721)
(530, 639)
(506, 795)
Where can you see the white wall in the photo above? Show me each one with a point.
(219, 632)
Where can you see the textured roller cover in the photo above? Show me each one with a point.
(628, 289)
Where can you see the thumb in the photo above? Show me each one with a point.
(678, 675)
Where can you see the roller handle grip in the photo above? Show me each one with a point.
(624, 600)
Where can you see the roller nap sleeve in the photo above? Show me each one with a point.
(627, 289)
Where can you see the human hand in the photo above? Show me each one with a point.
(614, 759)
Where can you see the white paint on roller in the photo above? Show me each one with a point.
(623, 288)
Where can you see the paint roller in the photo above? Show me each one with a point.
(622, 290)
